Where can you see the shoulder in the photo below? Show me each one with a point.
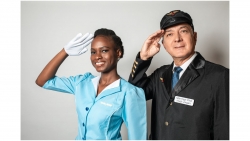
(83, 77)
(215, 68)
(127, 86)
(161, 70)
(131, 90)
(200, 62)
(215, 73)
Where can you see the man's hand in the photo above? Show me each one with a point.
(78, 44)
(151, 46)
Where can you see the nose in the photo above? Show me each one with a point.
(98, 55)
(178, 38)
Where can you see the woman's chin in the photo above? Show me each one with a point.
(99, 70)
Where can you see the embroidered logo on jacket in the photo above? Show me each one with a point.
(106, 104)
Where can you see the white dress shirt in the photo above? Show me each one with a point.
(185, 65)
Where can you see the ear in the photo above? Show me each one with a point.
(195, 37)
(119, 53)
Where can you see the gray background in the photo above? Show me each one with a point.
(47, 26)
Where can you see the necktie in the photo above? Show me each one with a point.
(175, 77)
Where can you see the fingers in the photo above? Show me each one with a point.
(88, 42)
(82, 38)
(77, 37)
(83, 51)
(88, 38)
(84, 46)
(157, 35)
(85, 38)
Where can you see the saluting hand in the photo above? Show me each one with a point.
(78, 45)
(151, 46)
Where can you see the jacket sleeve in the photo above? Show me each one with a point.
(63, 84)
(134, 114)
(139, 78)
(221, 108)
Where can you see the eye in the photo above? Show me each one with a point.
(170, 34)
(105, 50)
(92, 52)
(184, 31)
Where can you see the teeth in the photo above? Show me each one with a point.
(99, 63)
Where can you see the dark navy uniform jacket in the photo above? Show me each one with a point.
(204, 82)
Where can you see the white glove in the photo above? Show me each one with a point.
(78, 44)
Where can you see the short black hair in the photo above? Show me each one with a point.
(110, 33)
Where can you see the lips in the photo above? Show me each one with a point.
(178, 46)
(99, 64)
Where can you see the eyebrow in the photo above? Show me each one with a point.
(168, 30)
(102, 47)
(184, 26)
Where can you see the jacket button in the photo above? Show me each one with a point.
(82, 124)
(87, 108)
(166, 123)
(171, 103)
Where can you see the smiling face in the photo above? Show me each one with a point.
(104, 54)
(180, 41)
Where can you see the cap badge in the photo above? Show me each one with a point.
(172, 13)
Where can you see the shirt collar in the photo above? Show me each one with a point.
(95, 82)
(186, 64)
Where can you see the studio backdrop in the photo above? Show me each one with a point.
(47, 26)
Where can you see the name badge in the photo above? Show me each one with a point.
(183, 100)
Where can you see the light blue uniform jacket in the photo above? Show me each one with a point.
(101, 117)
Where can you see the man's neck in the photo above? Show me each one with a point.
(180, 61)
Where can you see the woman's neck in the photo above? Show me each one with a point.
(108, 78)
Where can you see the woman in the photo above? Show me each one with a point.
(103, 102)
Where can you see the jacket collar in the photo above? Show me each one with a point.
(189, 75)
(110, 89)
(198, 62)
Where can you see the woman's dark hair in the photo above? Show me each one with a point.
(110, 33)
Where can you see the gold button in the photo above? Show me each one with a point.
(171, 103)
(166, 123)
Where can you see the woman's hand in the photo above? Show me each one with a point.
(78, 44)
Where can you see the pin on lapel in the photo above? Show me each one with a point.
(161, 79)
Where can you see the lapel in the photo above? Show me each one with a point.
(167, 76)
(189, 75)
(109, 91)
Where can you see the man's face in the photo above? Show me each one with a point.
(179, 41)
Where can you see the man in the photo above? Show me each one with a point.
(196, 106)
